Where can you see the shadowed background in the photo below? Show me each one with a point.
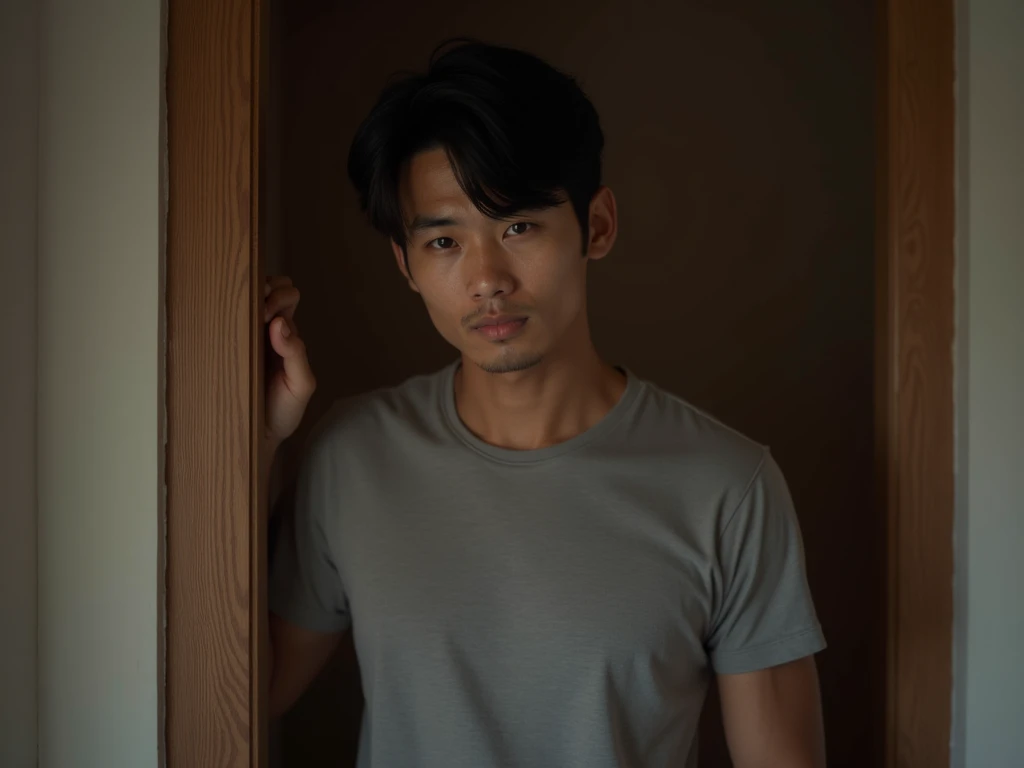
(740, 146)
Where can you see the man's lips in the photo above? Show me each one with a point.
(500, 326)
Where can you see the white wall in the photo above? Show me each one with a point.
(989, 701)
(99, 399)
(18, 151)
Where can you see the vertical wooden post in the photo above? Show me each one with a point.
(916, 369)
(215, 544)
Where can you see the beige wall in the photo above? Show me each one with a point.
(18, 149)
(100, 366)
(989, 704)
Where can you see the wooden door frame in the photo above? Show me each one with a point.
(915, 327)
(216, 675)
(215, 583)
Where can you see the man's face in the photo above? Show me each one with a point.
(507, 294)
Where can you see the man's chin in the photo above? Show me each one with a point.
(513, 363)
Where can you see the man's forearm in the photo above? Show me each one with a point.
(268, 455)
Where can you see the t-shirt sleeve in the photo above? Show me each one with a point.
(764, 615)
(305, 586)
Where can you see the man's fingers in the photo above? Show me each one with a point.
(276, 281)
(291, 382)
(286, 342)
(282, 301)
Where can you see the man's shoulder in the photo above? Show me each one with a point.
(414, 404)
(696, 442)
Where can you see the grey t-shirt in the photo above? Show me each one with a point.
(554, 608)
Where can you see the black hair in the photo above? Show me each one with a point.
(519, 134)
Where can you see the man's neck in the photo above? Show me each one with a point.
(542, 406)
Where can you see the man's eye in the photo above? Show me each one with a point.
(442, 243)
(519, 228)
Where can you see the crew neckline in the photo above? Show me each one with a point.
(538, 455)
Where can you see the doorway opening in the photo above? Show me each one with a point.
(771, 230)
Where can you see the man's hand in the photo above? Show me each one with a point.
(290, 381)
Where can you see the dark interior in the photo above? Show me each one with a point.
(740, 145)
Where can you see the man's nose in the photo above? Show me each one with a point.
(488, 274)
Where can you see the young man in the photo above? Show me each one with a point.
(543, 558)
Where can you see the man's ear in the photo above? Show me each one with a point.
(402, 259)
(604, 224)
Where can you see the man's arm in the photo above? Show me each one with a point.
(297, 657)
(772, 717)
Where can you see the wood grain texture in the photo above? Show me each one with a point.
(916, 289)
(212, 409)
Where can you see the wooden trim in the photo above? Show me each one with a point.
(916, 369)
(213, 284)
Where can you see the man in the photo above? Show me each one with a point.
(542, 557)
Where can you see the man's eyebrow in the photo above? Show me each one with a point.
(421, 223)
